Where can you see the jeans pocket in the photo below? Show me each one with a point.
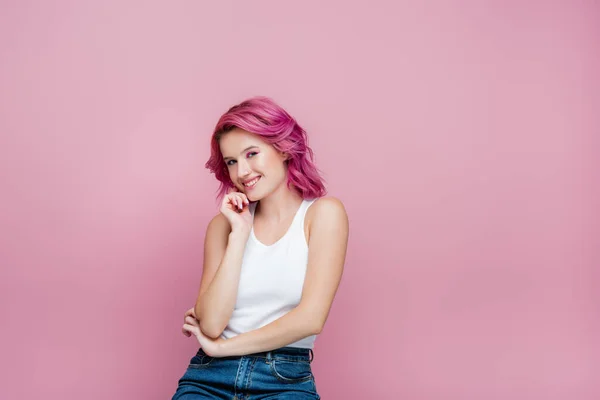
(291, 371)
(200, 361)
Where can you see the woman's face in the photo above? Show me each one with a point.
(255, 167)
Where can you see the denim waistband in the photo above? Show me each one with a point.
(288, 353)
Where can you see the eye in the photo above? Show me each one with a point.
(251, 154)
(230, 162)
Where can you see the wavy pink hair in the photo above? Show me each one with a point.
(265, 118)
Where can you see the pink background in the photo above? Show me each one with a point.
(460, 136)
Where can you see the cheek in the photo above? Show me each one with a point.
(267, 165)
(277, 171)
(233, 175)
(259, 165)
(231, 172)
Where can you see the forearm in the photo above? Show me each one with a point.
(215, 306)
(290, 328)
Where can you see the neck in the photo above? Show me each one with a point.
(279, 205)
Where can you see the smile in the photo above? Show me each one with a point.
(252, 183)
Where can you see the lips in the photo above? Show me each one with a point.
(250, 183)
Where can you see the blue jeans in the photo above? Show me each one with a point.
(279, 374)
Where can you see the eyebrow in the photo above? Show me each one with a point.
(243, 151)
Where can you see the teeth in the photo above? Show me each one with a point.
(252, 182)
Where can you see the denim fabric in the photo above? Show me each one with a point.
(280, 374)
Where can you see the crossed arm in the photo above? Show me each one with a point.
(328, 239)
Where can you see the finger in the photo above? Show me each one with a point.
(233, 201)
(186, 333)
(194, 330)
(192, 321)
(190, 312)
(244, 198)
(242, 201)
(228, 198)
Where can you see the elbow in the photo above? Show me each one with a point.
(316, 328)
(211, 333)
(211, 330)
(314, 319)
(316, 324)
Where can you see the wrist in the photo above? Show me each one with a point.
(221, 348)
(239, 235)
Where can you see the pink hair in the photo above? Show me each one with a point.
(263, 117)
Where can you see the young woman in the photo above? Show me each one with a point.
(273, 260)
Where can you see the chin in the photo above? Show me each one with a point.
(256, 196)
(253, 197)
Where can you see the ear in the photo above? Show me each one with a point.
(284, 156)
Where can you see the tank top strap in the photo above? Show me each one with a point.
(298, 221)
(300, 216)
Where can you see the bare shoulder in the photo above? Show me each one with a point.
(328, 211)
(328, 204)
(218, 226)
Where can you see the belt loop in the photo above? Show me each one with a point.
(312, 355)
(269, 356)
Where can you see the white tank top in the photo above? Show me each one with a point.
(271, 279)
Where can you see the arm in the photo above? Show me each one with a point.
(223, 252)
(328, 239)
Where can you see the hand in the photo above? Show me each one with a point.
(236, 208)
(210, 346)
(189, 313)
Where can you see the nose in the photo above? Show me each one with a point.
(243, 168)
